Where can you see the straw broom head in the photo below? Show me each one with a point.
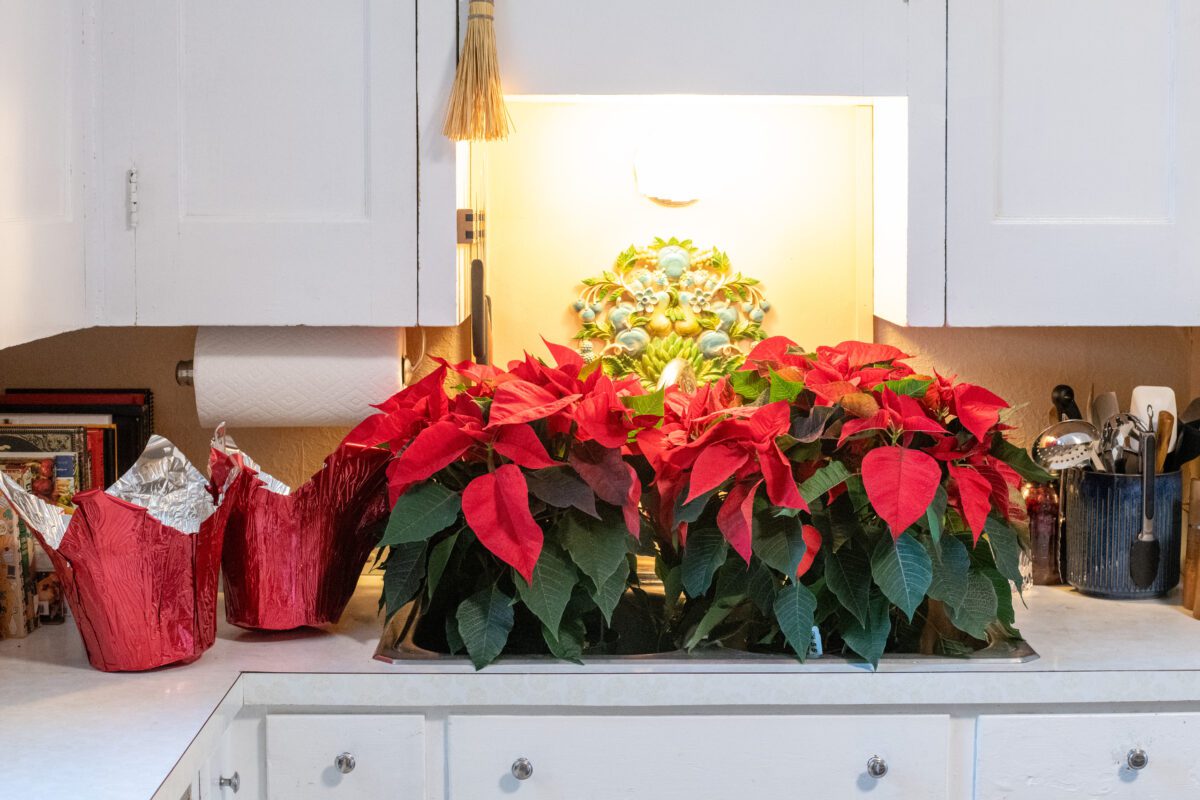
(477, 111)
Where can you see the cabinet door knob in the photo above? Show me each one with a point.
(344, 763)
(876, 767)
(234, 783)
(1137, 759)
(522, 769)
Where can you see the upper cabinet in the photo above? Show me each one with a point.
(1071, 175)
(275, 160)
(46, 52)
(685, 66)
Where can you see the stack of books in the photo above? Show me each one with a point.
(55, 443)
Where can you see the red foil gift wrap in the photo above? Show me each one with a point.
(293, 558)
(139, 563)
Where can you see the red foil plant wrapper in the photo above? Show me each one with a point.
(138, 562)
(293, 558)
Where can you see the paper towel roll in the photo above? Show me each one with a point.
(295, 377)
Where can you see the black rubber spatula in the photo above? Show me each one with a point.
(1145, 552)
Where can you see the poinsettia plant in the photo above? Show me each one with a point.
(836, 491)
(514, 507)
(841, 492)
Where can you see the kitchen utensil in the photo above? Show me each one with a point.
(1162, 433)
(1192, 412)
(1145, 553)
(1067, 444)
(1192, 549)
(1119, 440)
(1105, 406)
(1063, 397)
(1104, 517)
(1147, 401)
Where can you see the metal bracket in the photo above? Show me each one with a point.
(131, 196)
(470, 226)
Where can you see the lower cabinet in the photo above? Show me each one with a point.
(353, 756)
(689, 757)
(1066, 756)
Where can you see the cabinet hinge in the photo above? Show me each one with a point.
(131, 196)
(470, 226)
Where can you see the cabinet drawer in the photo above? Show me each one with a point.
(695, 757)
(388, 754)
(1058, 756)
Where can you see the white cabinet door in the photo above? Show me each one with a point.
(697, 757)
(383, 756)
(46, 52)
(1072, 181)
(863, 48)
(276, 155)
(1058, 756)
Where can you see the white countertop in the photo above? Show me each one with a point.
(66, 727)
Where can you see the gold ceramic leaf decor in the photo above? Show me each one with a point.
(670, 302)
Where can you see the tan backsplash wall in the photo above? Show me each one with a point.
(146, 357)
(1022, 365)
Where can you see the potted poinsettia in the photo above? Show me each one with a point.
(841, 492)
(515, 513)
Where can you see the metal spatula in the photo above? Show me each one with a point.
(1145, 552)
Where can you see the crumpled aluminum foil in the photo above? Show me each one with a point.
(165, 483)
(223, 444)
(50, 520)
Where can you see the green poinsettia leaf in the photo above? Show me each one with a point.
(1019, 460)
(554, 578)
(823, 480)
(720, 608)
(912, 387)
(439, 556)
(762, 587)
(454, 642)
(645, 404)
(748, 384)
(608, 594)
(783, 389)
(1006, 549)
(484, 622)
(951, 571)
(706, 550)
(779, 543)
(421, 512)
(402, 574)
(690, 512)
(902, 570)
(848, 576)
(936, 513)
(1004, 604)
(568, 644)
(977, 607)
(794, 608)
(869, 640)
(597, 546)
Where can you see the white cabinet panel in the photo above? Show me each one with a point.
(276, 157)
(46, 49)
(1064, 756)
(387, 752)
(1069, 179)
(686, 757)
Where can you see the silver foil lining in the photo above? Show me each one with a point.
(222, 442)
(166, 484)
(47, 519)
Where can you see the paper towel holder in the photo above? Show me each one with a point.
(185, 373)
(185, 370)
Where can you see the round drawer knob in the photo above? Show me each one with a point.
(234, 783)
(876, 767)
(1137, 758)
(522, 769)
(345, 763)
